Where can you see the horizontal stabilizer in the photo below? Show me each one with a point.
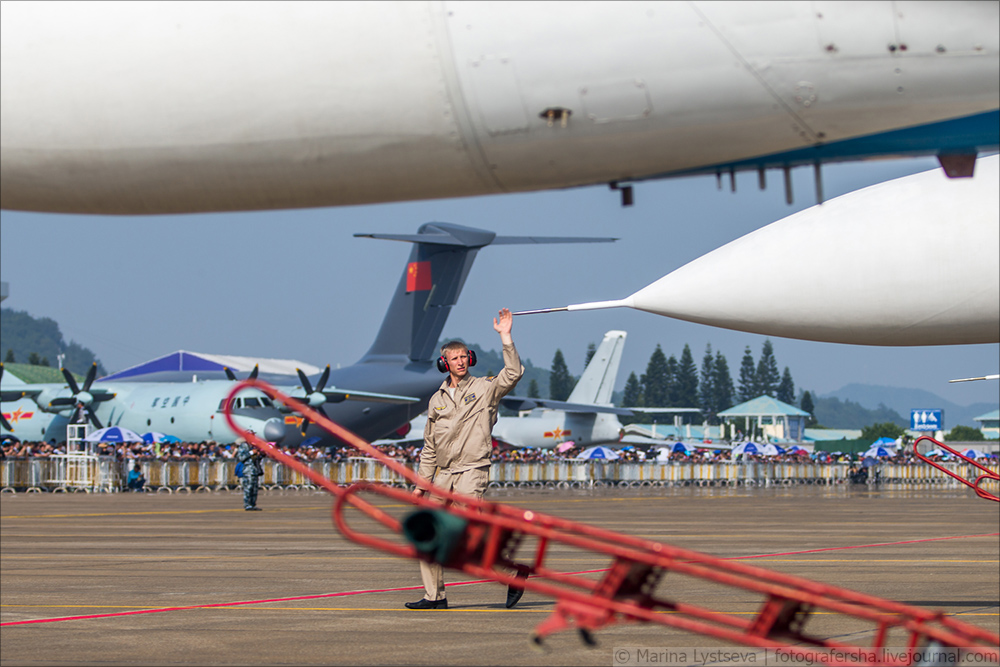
(523, 403)
(523, 240)
(483, 239)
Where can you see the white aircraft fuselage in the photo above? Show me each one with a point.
(142, 108)
(546, 429)
(191, 411)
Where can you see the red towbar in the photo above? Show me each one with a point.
(491, 540)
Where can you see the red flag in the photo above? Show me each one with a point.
(418, 276)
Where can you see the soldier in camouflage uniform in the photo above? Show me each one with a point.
(250, 481)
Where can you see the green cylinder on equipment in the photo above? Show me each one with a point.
(434, 533)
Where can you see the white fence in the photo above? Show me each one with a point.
(104, 474)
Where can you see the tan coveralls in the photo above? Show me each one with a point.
(458, 441)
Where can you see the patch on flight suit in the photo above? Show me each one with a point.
(443, 407)
(469, 399)
(490, 378)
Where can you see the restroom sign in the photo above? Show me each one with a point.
(927, 420)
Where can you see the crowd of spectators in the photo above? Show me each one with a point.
(410, 452)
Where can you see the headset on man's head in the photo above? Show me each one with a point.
(442, 363)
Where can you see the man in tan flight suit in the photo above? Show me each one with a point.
(458, 438)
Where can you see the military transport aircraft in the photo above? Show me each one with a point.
(399, 361)
(174, 107)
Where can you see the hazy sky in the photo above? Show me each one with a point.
(296, 284)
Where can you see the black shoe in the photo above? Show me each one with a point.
(253, 509)
(424, 603)
(513, 593)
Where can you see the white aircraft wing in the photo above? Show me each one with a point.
(522, 403)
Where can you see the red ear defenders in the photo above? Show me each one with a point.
(443, 363)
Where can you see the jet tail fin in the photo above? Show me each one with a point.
(432, 281)
(598, 379)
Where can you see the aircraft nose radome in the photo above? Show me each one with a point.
(274, 430)
(825, 273)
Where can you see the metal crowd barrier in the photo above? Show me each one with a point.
(105, 474)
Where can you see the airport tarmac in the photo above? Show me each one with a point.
(117, 579)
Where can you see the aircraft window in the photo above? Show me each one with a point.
(222, 405)
(166, 402)
(154, 402)
(186, 399)
(251, 402)
(176, 401)
(267, 402)
(237, 403)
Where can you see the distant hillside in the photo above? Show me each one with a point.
(832, 412)
(38, 374)
(902, 400)
(24, 335)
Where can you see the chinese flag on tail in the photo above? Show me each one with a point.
(418, 276)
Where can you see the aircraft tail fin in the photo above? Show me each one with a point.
(598, 379)
(432, 281)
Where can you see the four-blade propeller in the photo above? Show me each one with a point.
(314, 398)
(82, 398)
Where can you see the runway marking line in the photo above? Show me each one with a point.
(412, 588)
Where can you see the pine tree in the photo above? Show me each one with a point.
(632, 397)
(656, 381)
(591, 351)
(533, 389)
(687, 380)
(560, 381)
(33, 359)
(767, 375)
(706, 385)
(806, 405)
(9, 359)
(786, 390)
(748, 377)
(722, 381)
(673, 395)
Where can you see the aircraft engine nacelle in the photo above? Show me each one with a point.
(274, 430)
(45, 399)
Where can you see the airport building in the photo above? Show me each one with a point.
(768, 417)
(989, 424)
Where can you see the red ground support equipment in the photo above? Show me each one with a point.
(494, 541)
(987, 474)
